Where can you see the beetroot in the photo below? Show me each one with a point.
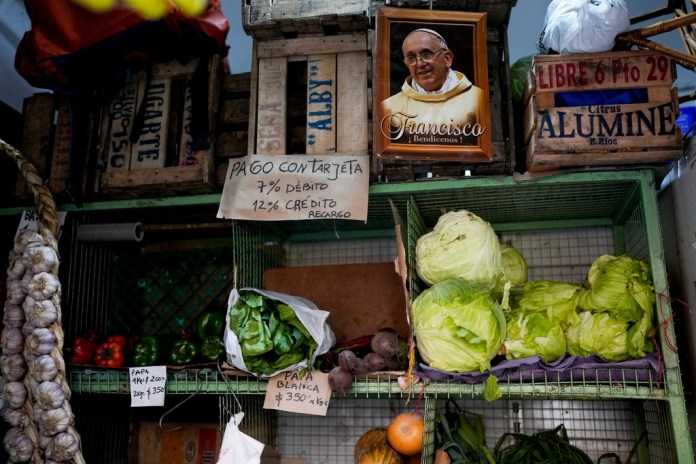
(386, 342)
(340, 380)
(346, 359)
(374, 362)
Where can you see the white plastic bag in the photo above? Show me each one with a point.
(238, 447)
(583, 26)
(313, 318)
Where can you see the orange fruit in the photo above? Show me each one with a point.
(405, 433)
(379, 453)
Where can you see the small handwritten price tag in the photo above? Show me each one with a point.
(309, 394)
(147, 385)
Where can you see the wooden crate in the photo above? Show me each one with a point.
(613, 108)
(309, 96)
(232, 131)
(37, 136)
(161, 160)
(289, 18)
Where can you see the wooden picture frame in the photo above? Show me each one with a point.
(454, 126)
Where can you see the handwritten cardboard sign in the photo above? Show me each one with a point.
(273, 187)
(30, 220)
(306, 394)
(147, 385)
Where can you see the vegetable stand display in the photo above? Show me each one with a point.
(560, 223)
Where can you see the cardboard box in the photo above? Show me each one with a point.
(601, 109)
(191, 443)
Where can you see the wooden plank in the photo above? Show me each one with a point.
(660, 93)
(271, 123)
(610, 70)
(352, 111)
(150, 149)
(61, 147)
(188, 156)
(234, 111)
(262, 12)
(623, 127)
(321, 104)
(231, 143)
(170, 176)
(37, 132)
(121, 115)
(306, 46)
(538, 161)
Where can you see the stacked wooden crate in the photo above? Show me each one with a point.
(163, 158)
(45, 140)
(311, 83)
(602, 109)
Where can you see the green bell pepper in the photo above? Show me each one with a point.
(184, 351)
(210, 323)
(147, 351)
(212, 348)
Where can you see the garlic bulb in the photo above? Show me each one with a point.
(41, 313)
(18, 445)
(13, 367)
(43, 368)
(14, 394)
(41, 341)
(40, 259)
(12, 341)
(27, 238)
(53, 421)
(49, 395)
(43, 286)
(16, 268)
(15, 291)
(14, 417)
(12, 316)
(63, 447)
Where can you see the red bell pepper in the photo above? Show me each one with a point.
(110, 353)
(120, 340)
(83, 350)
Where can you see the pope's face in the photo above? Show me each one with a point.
(428, 74)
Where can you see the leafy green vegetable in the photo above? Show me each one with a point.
(599, 334)
(514, 264)
(533, 334)
(460, 245)
(620, 286)
(457, 326)
(461, 434)
(270, 334)
(559, 300)
(547, 446)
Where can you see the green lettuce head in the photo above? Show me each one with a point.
(558, 300)
(533, 334)
(458, 327)
(600, 334)
(621, 286)
(460, 245)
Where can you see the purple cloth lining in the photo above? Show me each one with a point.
(566, 369)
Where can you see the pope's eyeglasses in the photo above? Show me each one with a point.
(426, 57)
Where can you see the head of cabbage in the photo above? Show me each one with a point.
(460, 245)
(533, 334)
(458, 327)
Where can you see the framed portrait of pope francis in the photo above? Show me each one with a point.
(431, 86)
